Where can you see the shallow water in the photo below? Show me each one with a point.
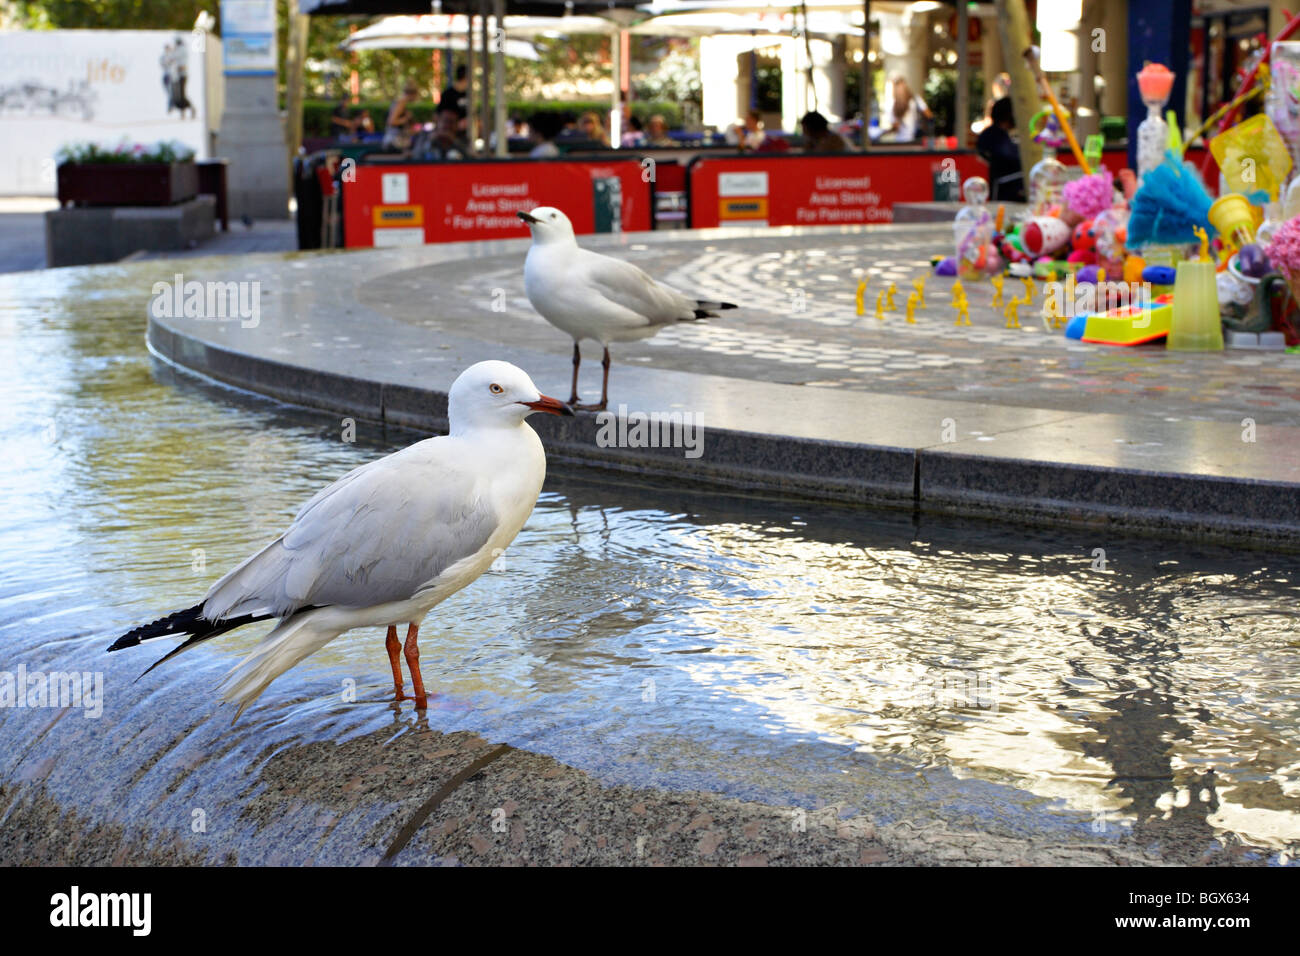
(992, 676)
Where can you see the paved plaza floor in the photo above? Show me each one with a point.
(798, 324)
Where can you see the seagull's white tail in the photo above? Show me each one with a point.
(290, 642)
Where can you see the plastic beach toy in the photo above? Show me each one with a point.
(1155, 82)
(1253, 158)
(1282, 104)
(1231, 214)
(1195, 325)
(1124, 325)
(973, 231)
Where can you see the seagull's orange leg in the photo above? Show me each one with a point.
(413, 663)
(394, 648)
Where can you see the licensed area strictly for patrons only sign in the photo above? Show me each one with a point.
(785, 190)
(388, 204)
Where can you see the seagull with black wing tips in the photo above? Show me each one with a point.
(384, 544)
(596, 297)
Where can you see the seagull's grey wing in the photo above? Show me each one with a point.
(381, 533)
(633, 289)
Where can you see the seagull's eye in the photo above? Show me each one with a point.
(496, 389)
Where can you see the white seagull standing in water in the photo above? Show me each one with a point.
(591, 296)
(386, 542)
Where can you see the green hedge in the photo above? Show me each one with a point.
(1113, 128)
(316, 113)
(642, 110)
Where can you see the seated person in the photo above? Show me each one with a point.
(656, 132)
(592, 129)
(443, 141)
(343, 125)
(818, 136)
(635, 135)
(542, 130)
(996, 147)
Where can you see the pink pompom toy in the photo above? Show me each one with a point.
(1284, 250)
(1090, 196)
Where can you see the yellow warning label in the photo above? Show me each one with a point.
(749, 207)
(399, 216)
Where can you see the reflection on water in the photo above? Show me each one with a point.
(997, 677)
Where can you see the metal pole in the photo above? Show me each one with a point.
(485, 105)
(961, 123)
(616, 104)
(471, 113)
(866, 94)
(499, 119)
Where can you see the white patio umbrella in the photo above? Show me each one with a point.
(703, 23)
(426, 32)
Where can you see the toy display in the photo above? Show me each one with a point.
(1157, 254)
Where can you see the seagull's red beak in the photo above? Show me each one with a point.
(551, 405)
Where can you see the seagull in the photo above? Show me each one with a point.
(384, 544)
(591, 296)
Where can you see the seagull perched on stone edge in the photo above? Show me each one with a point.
(591, 296)
(385, 543)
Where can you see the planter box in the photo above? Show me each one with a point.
(127, 184)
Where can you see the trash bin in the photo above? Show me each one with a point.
(307, 191)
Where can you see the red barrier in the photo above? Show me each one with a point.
(390, 204)
(794, 190)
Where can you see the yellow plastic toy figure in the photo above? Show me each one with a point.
(880, 312)
(997, 281)
(1013, 317)
(1052, 318)
(919, 286)
(889, 301)
(1030, 289)
(912, 298)
(958, 290)
(963, 311)
(862, 289)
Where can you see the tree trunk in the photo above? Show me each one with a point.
(1013, 32)
(294, 58)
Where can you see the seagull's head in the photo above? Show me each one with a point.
(548, 224)
(496, 394)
